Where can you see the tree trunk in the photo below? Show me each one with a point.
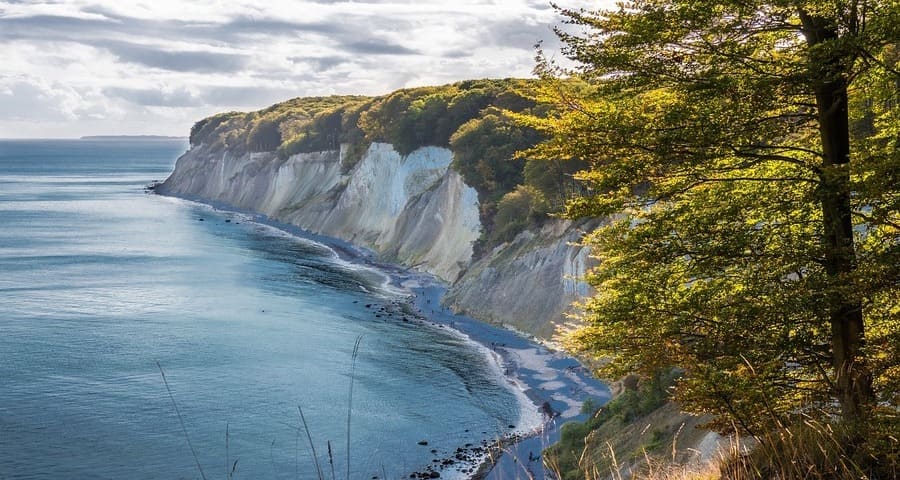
(853, 381)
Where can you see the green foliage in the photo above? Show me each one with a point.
(555, 179)
(352, 136)
(755, 245)
(515, 211)
(263, 136)
(408, 119)
(632, 404)
(484, 153)
(393, 120)
(269, 129)
(589, 407)
(563, 456)
(209, 129)
(327, 130)
(417, 117)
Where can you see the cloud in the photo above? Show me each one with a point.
(320, 64)
(49, 26)
(178, 61)
(374, 47)
(104, 34)
(25, 98)
(246, 96)
(519, 33)
(457, 53)
(245, 25)
(151, 97)
(162, 63)
(350, 34)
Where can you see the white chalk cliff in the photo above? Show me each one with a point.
(414, 210)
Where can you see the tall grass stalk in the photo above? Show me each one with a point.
(229, 474)
(614, 466)
(811, 449)
(331, 460)
(181, 421)
(233, 469)
(312, 446)
(350, 397)
(227, 477)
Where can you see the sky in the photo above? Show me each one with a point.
(74, 68)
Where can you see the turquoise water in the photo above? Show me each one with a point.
(99, 281)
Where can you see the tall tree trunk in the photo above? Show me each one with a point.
(853, 381)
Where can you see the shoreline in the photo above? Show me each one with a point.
(549, 385)
(554, 384)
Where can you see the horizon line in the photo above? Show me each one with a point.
(112, 137)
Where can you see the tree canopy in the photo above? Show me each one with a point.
(748, 154)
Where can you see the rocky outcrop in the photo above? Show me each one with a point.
(414, 210)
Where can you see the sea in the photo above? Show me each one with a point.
(150, 337)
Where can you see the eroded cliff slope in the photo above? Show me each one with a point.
(529, 283)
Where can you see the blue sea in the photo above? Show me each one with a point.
(104, 287)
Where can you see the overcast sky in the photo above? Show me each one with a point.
(73, 68)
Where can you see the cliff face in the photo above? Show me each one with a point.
(412, 210)
(529, 283)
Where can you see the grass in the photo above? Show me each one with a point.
(350, 397)
(810, 449)
(231, 468)
(181, 421)
(312, 445)
(813, 449)
(642, 435)
(579, 454)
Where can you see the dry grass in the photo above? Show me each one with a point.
(809, 450)
(816, 450)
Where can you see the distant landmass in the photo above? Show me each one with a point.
(130, 137)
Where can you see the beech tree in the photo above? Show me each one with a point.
(264, 136)
(754, 243)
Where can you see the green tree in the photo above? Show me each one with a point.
(516, 211)
(554, 179)
(484, 151)
(206, 128)
(264, 136)
(755, 244)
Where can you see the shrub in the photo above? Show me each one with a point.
(203, 131)
(515, 211)
(484, 154)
